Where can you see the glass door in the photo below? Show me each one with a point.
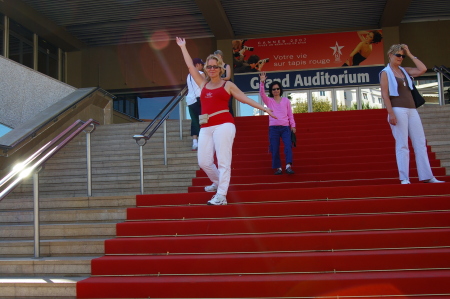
(371, 98)
(299, 101)
(322, 100)
(346, 99)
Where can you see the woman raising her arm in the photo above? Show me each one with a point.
(396, 86)
(218, 134)
(364, 48)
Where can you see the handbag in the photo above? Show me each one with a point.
(203, 118)
(418, 99)
(293, 139)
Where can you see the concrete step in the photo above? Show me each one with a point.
(69, 186)
(102, 192)
(53, 248)
(64, 216)
(47, 266)
(68, 203)
(150, 166)
(58, 231)
(102, 175)
(39, 287)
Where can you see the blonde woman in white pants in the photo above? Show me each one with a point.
(396, 86)
(217, 135)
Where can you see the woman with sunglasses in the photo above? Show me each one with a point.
(280, 127)
(217, 135)
(396, 86)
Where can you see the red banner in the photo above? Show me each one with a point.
(308, 51)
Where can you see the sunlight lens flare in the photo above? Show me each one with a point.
(159, 40)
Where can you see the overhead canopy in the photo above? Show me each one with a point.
(78, 23)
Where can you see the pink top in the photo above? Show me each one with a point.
(282, 110)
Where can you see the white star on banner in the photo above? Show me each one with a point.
(337, 49)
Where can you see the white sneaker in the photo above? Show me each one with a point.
(194, 147)
(405, 182)
(217, 200)
(433, 180)
(212, 188)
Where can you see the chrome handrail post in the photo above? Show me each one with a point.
(141, 163)
(440, 80)
(36, 214)
(89, 162)
(165, 142)
(141, 141)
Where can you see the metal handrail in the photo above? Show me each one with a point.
(42, 155)
(441, 71)
(160, 119)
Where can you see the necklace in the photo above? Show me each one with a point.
(401, 77)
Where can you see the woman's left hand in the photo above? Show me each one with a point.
(262, 77)
(293, 130)
(181, 41)
(406, 49)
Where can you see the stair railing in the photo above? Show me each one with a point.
(441, 71)
(42, 155)
(155, 124)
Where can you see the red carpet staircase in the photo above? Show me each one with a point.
(341, 227)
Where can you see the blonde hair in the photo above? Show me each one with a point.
(219, 63)
(395, 48)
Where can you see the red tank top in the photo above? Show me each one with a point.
(213, 100)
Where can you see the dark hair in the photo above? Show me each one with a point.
(271, 87)
(377, 37)
(253, 59)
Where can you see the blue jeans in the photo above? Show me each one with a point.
(275, 133)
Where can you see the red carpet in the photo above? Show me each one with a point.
(341, 227)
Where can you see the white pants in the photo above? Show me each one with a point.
(217, 139)
(409, 123)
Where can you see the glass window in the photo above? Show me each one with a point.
(299, 102)
(247, 110)
(371, 98)
(346, 99)
(321, 100)
(150, 107)
(47, 58)
(126, 104)
(20, 44)
(4, 129)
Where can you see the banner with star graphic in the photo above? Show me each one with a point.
(316, 51)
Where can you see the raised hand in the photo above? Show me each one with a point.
(262, 76)
(181, 41)
(406, 49)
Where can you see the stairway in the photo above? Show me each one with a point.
(341, 227)
(74, 227)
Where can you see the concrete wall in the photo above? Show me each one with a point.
(132, 66)
(425, 40)
(25, 92)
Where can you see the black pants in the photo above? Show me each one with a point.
(194, 111)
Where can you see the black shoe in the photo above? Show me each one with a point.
(279, 171)
(289, 171)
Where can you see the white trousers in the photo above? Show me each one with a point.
(217, 139)
(409, 124)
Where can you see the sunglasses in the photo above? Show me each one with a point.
(400, 55)
(275, 89)
(212, 67)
